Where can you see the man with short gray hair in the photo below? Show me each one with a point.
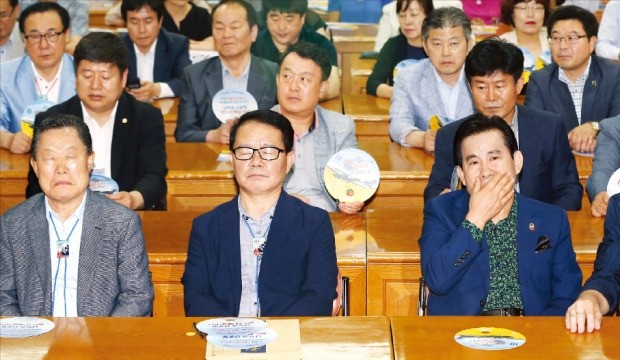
(433, 87)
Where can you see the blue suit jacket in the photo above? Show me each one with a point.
(171, 57)
(203, 80)
(298, 270)
(549, 172)
(17, 89)
(606, 276)
(601, 93)
(457, 271)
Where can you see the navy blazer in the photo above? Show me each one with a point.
(601, 93)
(298, 271)
(138, 154)
(171, 57)
(549, 171)
(456, 267)
(606, 276)
(203, 80)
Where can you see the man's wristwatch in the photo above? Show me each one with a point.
(596, 126)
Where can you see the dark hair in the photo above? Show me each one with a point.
(136, 5)
(494, 55)
(286, 6)
(571, 12)
(446, 17)
(310, 51)
(61, 121)
(266, 117)
(508, 8)
(425, 5)
(250, 12)
(41, 7)
(101, 47)
(477, 124)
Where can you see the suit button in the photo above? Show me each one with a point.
(456, 264)
(467, 252)
(482, 302)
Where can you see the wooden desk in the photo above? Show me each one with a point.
(350, 41)
(13, 179)
(170, 110)
(371, 115)
(165, 338)
(393, 256)
(197, 182)
(167, 234)
(427, 337)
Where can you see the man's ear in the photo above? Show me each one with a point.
(290, 160)
(461, 175)
(33, 163)
(519, 85)
(518, 159)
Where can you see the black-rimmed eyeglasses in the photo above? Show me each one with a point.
(51, 37)
(267, 153)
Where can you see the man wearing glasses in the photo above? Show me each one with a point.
(264, 253)
(11, 44)
(582, 88)
(41, 78)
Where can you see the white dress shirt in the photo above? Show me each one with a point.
(102, 141)
(14, 46)
(145, 63)
(65, 271)
(608, 42)
(49, 90)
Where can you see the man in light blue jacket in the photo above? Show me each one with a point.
(41, 78)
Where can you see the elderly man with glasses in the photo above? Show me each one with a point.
(41, 78)
(579, 86)
(264, 253)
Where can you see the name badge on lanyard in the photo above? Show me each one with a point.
(62, 249)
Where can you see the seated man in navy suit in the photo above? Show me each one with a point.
(264, 253)
(579, 86)
(489, 250)
(493, 69)
(156, 57)
(601, 293)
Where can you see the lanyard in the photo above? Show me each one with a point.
(44, 96)
(259, 245)
(62, 253)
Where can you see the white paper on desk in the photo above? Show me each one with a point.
(287, 345)
(21, 327)
(613, 187)
(224, 157)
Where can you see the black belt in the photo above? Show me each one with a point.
(503, 312)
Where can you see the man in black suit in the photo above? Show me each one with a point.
(128, 135)
(157, 57)
(493, 69)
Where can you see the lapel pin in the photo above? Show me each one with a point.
(532, 227)
(593, 82)
(124, 121)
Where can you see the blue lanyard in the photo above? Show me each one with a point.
(259, 256)
(64, 293)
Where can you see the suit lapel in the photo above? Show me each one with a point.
(213, 79)
(229, 227)
(120, 135)
(482, 267)
(38, 235)
(256, 83)
(464, 105)
(590, 91)
(284, 217)
(564, 102)
(529, 225)
(433, 96)
(90, 244)
(160, 65)
(25, 82)
(131, 56)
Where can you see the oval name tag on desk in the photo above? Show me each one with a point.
(231, 326)
(351, 175)
(102, 184)
(232, 103)
(21, 327)
(489, 338)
